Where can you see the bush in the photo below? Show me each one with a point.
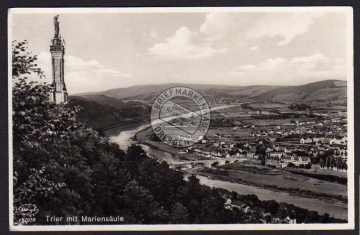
(290, 164)
(308, 166)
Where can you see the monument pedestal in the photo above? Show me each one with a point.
(57, 49)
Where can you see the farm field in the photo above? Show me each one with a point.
(318, 171)
(266, 177)
(223, 131)
(274, 122)
(268, 105)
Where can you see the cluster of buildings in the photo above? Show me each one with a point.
(296, 142)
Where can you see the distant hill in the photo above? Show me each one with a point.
(100, 111)
(148, 93)
(317, 91)
(151, 91)
(121, 105)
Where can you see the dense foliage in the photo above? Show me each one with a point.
(299, 107)
(283, 210)
(23, 62)
(67, 169)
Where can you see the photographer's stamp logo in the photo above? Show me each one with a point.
(27, 213)
(28, 210)
(180, 116)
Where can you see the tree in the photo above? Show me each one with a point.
(261, 150)
(328, 162)
(339, 164)
(138, 202)
(332, 162)
(179, 214)
(46, 158)
(49, 169)
(23, 62)
(270, 206)
(345, 167)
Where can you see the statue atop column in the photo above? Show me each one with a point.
(56, 24)
(58, 93)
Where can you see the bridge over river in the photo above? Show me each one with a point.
(207, 163)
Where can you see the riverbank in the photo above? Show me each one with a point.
(127, 127)
(279, 179)
(334, 209)
(248, 180)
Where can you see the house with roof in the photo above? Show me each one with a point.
(296, 160)
(272, 139)
(302, 159)
(275, 154)
(288, 220)
(339, 140)
(288, 126)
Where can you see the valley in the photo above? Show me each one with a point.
(255, 142)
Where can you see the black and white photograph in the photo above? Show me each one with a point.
(197, 118)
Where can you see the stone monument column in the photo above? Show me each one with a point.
(57, 49)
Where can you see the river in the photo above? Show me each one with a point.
(335, 209)
(125, 138)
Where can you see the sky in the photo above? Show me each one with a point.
(107, 50)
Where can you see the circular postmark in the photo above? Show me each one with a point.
(180, 116)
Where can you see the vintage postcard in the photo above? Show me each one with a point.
(181, 118)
